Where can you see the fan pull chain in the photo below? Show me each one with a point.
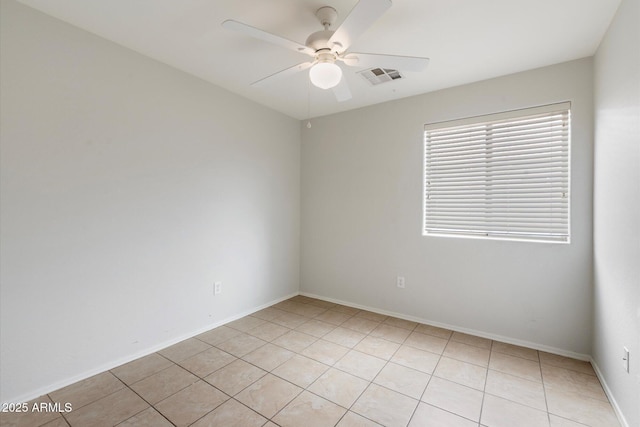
(308, 104)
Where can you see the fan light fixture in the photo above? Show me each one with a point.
(325, 75)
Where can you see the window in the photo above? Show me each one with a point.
(502, 176)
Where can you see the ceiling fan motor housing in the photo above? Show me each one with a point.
(319, 40)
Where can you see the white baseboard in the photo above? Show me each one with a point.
(508, 340)
(607, 391)
(150, 350)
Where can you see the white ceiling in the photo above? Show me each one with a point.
(467, 41)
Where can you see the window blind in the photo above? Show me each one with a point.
(504, 175)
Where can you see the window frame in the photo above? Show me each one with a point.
(559, 214)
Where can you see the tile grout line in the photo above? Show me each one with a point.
(88, 403)
(150, 405)
(350, 349)
(446, 410)
(430, 378)
(544, 388)
(373, 379)
(298, 353)
(484, 389)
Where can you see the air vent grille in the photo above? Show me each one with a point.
(376, 76)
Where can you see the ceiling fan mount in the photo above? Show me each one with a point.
(329, 47)
(327, 16)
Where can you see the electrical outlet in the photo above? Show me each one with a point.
(625, 358)
(217, 288)
(400, 282)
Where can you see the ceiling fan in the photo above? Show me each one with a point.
(328, 48)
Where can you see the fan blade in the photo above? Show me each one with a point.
(363, 15)
(341, 91)
(230, 24)
(284, 73)
(396, 62)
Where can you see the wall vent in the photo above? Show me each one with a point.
(376, 76)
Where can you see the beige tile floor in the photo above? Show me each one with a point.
(307, 363)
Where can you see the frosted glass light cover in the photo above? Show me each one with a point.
(325, 75)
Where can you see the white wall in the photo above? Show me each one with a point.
(128, 187)
(617, 208)
(362, 214)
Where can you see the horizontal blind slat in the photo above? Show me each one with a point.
(498, 128)
(480, 137)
